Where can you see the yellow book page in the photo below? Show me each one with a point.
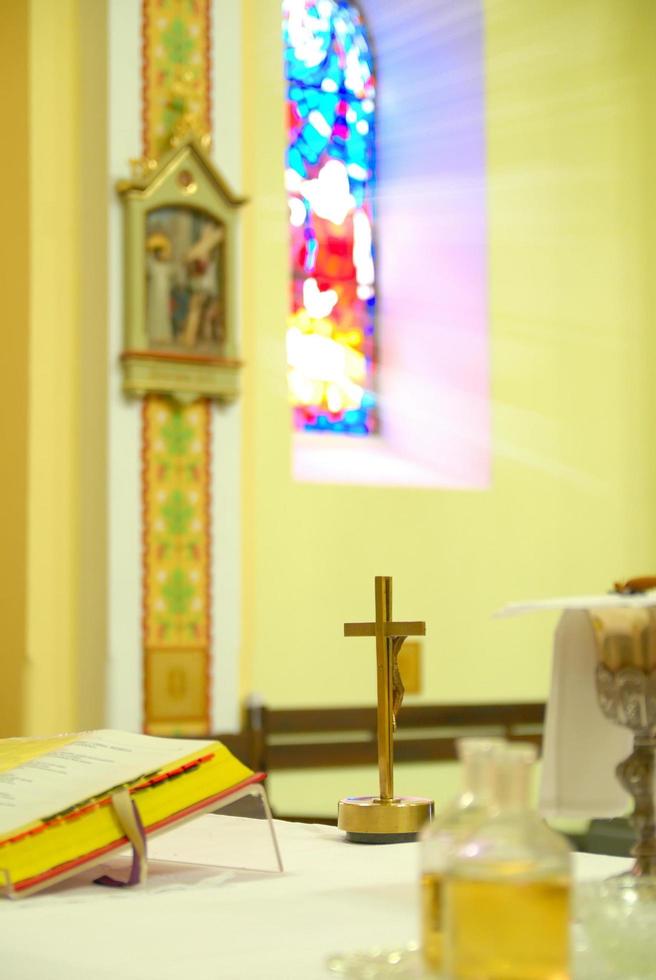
(97, 828)
(63, 773)
(15, 751)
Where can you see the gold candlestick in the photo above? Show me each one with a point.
(385, 819)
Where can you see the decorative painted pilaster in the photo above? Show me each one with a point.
(176, 483)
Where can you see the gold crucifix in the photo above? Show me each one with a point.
(389, 640)
(385, 818)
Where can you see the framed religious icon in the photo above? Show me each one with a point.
(180, 278)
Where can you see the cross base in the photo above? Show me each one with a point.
(381, 838)
(372, 820)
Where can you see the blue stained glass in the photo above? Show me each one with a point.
(311, 253)
(331, 168)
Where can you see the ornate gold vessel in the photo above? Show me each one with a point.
(626, 688)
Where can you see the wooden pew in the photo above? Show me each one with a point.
(276, 739)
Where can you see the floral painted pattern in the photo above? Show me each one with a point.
(176, 483)
(175, 71)
(176, 514)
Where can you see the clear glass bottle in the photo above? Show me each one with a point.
(506, 891)
(448, 829)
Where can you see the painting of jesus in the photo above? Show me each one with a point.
(185, 265)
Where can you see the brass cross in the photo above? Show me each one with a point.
(389, 640)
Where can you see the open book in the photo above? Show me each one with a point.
(68, 801)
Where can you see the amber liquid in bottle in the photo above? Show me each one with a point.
(506, 892)
(431, 918)
(508, 930)
(439, 838)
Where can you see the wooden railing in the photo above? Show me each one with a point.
(276, 739)
(315, 738)
(302, 738)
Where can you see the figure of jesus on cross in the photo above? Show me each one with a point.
(385, 818)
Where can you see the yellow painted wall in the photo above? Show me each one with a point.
(52, 577)
(14, 262)
(571, 236)
(54, 350)
(570, 509)
(92, 380)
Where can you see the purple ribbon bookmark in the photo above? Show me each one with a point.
(128, 817)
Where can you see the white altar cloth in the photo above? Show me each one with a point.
(205, 923)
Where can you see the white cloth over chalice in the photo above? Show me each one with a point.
(581, 747)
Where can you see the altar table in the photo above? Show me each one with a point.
(206, 923)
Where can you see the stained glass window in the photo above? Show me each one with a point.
(330, 175)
